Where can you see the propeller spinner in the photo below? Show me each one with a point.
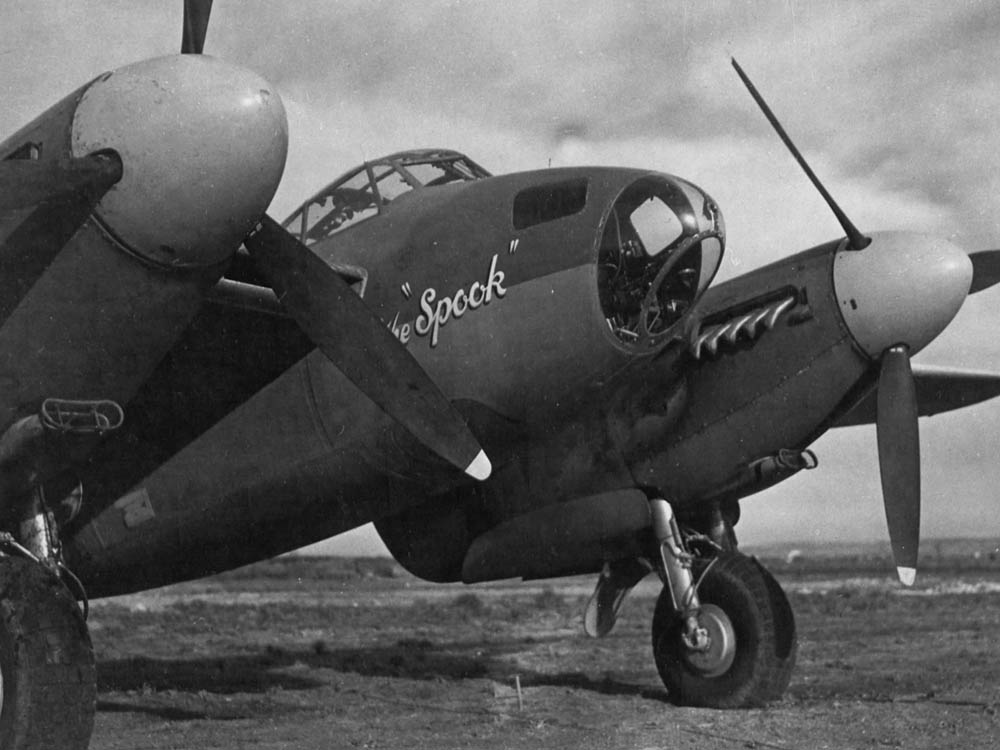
(895, 297)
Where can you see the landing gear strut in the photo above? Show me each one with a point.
(723, 631)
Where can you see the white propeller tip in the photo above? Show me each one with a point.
(906, 575)
(480, 468)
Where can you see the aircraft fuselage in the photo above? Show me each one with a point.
(510, 324)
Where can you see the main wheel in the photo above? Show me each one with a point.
(48, 684)
(752, 642)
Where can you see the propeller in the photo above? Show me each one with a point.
(345, 330)
(61, 197)
(360, 345)
(855, 239)
(899, 458)
(196, 13)
(985, 269)
(28, 182)
(896, 422)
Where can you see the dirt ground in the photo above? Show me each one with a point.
(325, 653)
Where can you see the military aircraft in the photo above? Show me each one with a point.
(525, 375)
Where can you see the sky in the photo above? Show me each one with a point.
(894, 104)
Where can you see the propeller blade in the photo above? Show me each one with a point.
(855, 239)
(196, 13)
(985, 270)
(28, 182)
(361, 346)
(58, 211)
(899, 458)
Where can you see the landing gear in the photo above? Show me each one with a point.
(723, 631)
(48, 682)
(751, 642)
(47, 674)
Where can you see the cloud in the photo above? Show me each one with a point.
(909, 109)
(900, 95)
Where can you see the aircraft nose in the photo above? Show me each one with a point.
(203, 145)
(904, 288)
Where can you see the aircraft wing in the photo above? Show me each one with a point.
(939, 389)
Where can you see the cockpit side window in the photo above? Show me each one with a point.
(441, 172)
(542, 203)
(391, 183)
(351, 202)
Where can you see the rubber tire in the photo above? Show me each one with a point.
(786, 644)
(48, 674)
(764, 627)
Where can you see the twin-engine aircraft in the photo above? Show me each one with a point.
(525, 375)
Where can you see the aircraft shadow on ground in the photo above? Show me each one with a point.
(250, 673)
(303, 669)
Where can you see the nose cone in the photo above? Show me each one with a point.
(904, 288)
(203, 146)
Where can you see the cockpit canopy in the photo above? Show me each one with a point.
(364, 191)
(661, 246)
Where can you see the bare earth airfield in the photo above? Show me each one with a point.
(332, 652)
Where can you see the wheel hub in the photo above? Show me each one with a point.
(717, 655)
